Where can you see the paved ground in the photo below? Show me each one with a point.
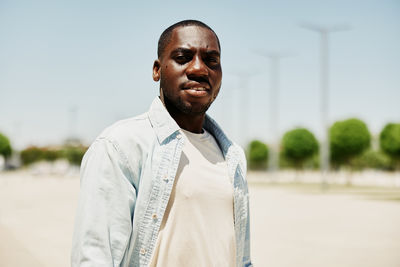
(291, 226)
(297, 227)
(36, 220)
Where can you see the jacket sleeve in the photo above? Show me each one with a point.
(246, 254)
(103, 222)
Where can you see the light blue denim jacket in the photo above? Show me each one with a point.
(126, 180)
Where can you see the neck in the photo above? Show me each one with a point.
(192, 124)
(189, 122)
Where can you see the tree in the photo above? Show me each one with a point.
(389, 141)
(5, 146)
(258, 155)
(348, 139)
(299, 145)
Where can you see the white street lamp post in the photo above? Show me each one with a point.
(324, 87)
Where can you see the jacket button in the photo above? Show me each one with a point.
(165, 178)
(142, 251)
(179, 136)
(154, 216)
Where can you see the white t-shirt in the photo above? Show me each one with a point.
(198, 229)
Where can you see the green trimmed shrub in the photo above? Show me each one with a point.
(348, 139)
(74, 154)
(5, 146)
(389, 141)
(50, 154)
(298, 146)
(31, 154)
(371, 159)
(258, 155)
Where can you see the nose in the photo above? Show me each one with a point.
(197, 68)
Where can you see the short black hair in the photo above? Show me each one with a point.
(165, 37)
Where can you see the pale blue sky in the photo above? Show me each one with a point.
(97, 56)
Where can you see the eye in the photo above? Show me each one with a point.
(182, 59)
(212, 61)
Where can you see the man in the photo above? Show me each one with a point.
(167, 188)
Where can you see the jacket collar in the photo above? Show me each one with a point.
(165, 126)
(211, 126)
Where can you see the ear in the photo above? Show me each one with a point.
(156, 70)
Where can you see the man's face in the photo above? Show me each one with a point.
(189, 70)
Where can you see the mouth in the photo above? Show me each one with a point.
(196, 89)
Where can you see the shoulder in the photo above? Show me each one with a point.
(128, 131)
(129, 137)
(126, 142)
(242, 157)
(126, 128)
